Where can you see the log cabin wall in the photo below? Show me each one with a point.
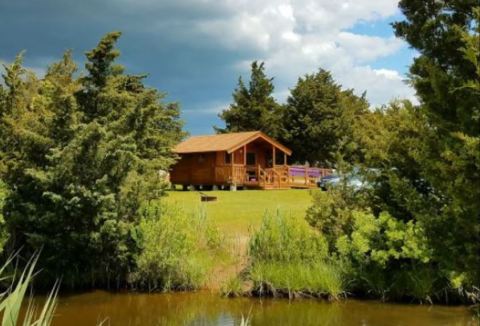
(196, 168)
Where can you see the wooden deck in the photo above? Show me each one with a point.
(278, 177)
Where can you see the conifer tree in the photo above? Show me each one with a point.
(253, 107)
(446, 77)
(80, 156)
(318, 117)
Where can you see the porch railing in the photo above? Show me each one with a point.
(280, 176)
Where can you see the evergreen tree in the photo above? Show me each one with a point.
(443, 194)
(253, 107)
(80, 156)
(317, 120)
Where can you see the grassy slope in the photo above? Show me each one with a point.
(235, 212)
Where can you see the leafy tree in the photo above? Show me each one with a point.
(80, 156)
(317, 119)
(446, 77)
(253, 107)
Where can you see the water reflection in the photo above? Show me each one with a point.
(209, 309)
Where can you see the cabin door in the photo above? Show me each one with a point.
(251, 158)
(268, 159)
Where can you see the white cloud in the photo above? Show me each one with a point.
(298, 37)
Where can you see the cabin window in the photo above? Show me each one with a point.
(251, 159)
(228, 158)
(201, 158)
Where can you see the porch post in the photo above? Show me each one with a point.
(284, 158)
(231, 165)
(245, 155)
(273, 158)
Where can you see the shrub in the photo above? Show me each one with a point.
(331, 212)
(175, 250)
(380, 255)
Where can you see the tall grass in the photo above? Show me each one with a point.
(176, 251)
(288, 258)
(297, 279)
(13, 298)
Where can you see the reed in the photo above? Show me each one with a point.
(13, 298)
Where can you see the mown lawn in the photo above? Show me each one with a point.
(236, 211)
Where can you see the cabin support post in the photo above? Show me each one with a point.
(233, 185)
(285, 159)
(245, 155)
(273, 157)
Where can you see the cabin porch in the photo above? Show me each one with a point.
(277, 177)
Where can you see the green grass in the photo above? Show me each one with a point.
(235, 212)
(320, 279)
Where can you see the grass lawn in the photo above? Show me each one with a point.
(236, 211)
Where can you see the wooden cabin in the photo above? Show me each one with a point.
(243, 159)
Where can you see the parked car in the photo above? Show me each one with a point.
(328, 180)
(353, 180)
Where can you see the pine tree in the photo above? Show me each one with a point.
(253, 107)
(317, 119)
(80, 156)
(446, 76)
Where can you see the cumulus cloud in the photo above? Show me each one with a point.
(195, 49)
(298, 37)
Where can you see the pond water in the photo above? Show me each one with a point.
(203, 308)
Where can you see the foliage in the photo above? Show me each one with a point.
(11, 300)
(380, 255)
(331, 212)
(293, 279)
(233, 287)
(445, 75)
(382, 239)
(286, 239)
(3, 229)
(176, 250)
(253, 107)
(289, 258)
(79, 156)
(317, 119)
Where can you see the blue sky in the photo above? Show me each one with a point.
(195, 50)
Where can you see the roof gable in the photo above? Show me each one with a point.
(224, 142)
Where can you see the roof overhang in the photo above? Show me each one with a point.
(261, 135)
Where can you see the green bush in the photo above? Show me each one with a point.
(331, 212)
(389, 258)
(381, 256)
(176, 250)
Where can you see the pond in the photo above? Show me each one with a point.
(204, 308)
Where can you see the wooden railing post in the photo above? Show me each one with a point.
(231, 163)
